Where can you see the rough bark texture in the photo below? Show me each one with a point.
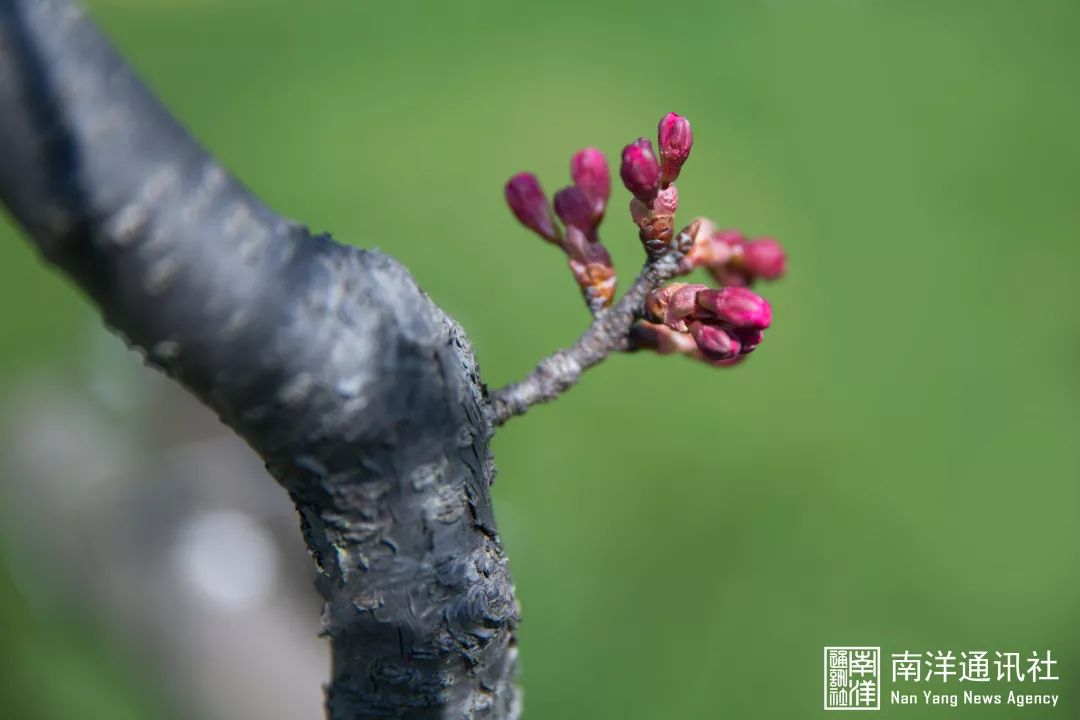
(360, 394)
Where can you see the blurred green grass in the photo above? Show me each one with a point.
(899, 463)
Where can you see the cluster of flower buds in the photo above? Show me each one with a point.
(719, 326)
(580, 207)
(733, 259)
(650, 179)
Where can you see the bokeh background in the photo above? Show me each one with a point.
(897, 466)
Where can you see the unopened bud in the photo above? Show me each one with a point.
(714, 342)
(764, 258)
(749, 338)
(589, 169)
(530, 205)
(737, 306)
(737, 261)
(573, 209)
(640, 170)
(676, 139)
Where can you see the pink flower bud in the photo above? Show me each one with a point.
(676, 139)
(737, 261)
(749, 338)
(764, 258)
(714, 342)
(573, 209)
(530, 205)
(640, 171)
(737, 306)
(589, 170)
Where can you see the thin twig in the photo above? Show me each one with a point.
(608, 333)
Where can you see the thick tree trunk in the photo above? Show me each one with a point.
(360, 394)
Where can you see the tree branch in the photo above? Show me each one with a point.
(608, 333)
(360, 394)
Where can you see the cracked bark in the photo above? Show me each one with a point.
(360, 394)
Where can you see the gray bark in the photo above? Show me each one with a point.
(360, 394)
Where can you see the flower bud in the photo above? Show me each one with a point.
(737, 306)
(749, 338)
(640, 171)
(714, 342)
(589, 170)
(574, 210)
(676, 139)
(530, 205)
(764, 258)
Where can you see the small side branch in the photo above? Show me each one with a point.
(608, 333)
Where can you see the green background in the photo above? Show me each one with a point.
(898, 463)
